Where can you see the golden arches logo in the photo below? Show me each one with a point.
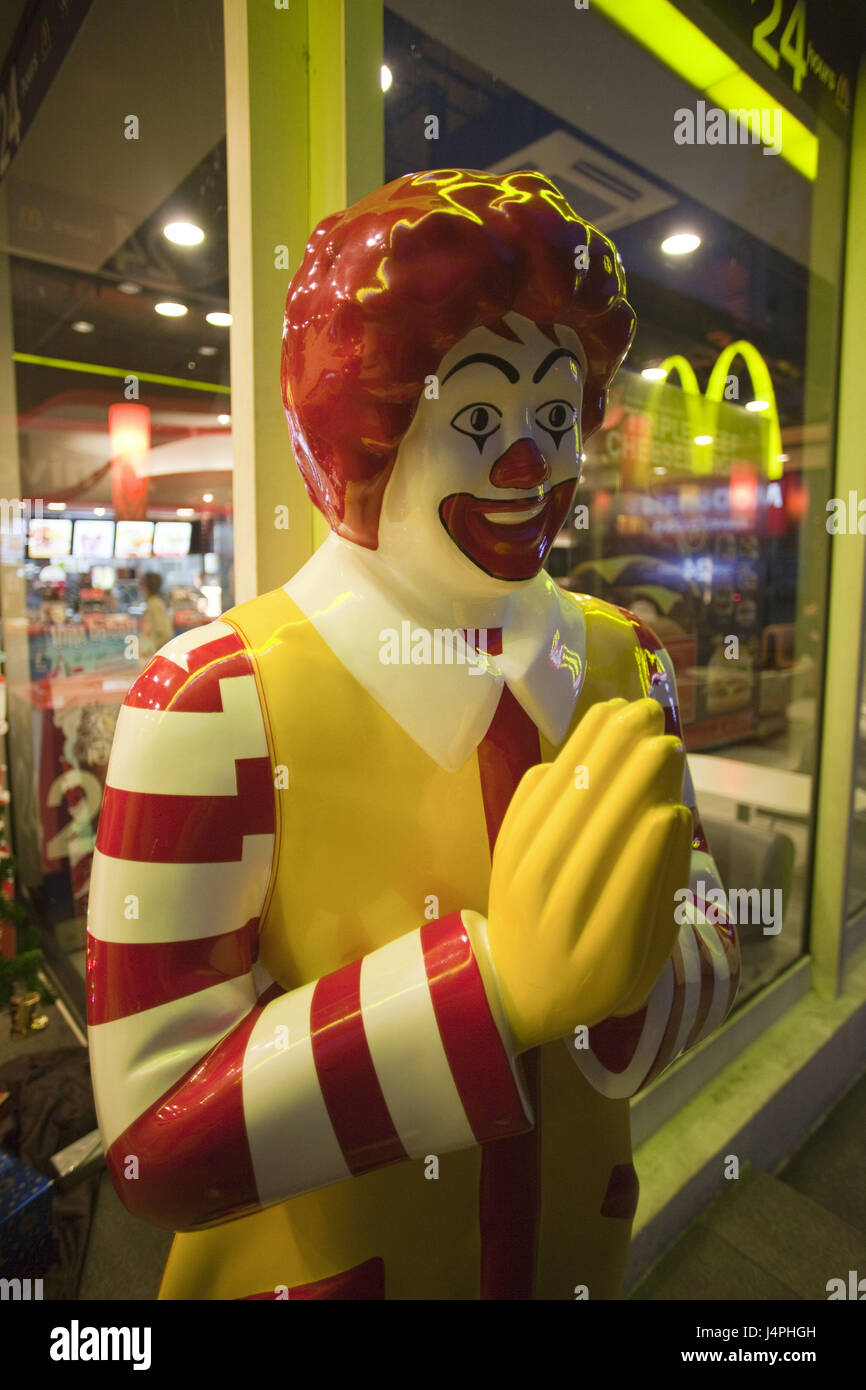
(696, 402)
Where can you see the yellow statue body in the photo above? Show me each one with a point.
(402, 838)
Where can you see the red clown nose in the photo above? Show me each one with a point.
(522, 465)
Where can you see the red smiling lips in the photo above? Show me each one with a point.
(510, 540)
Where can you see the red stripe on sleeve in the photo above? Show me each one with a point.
(127, 977)
(195, 687)
(664, 1054)
(193, 1160)
(732, 957)
(614, 1041)
(471, 1040)
(347, 1074)
(672, 721)
(708, 982)
(148, 827)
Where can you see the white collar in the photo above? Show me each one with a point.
(445, 708)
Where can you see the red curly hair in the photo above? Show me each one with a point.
(387, 287)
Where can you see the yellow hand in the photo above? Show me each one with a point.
(581, 913)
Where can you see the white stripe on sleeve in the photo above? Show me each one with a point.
(407, 1051)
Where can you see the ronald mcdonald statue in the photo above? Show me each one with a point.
(383, 931)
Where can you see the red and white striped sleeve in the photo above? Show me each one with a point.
(218, 1092)
(696, 990)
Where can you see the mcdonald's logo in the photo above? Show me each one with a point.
(696, 403)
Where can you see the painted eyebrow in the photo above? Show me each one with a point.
(553, 357)
(505, 367)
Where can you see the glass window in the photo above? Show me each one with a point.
(702, 501)
(114, 317)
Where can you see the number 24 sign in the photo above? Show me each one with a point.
(801, 56)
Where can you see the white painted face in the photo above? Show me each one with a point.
(486, 473)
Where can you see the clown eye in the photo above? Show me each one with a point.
(557, 418)
(479, 421)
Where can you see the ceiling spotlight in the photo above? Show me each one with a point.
(82, 326)
(99, 511)
(57, 506)
(757, 405)
(207, 497)
(129, 287)
(386, 77)
(186, 511)
(654, 373)
(170, 310)
(207, 351)
(680, 244)
(183, 233)
(219, 319)
(703, 439)
(224, 419)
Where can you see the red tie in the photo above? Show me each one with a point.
(510, 1187)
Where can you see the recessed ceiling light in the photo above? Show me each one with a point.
(703, 439)
(170, 310)
(386, 77)
(783, 458)
(82, 326)
(183, 233)
(207, 497)
(99, 511)
(224, 419)
(207, 351)
(129, 287)
(681, 244)
(757, 405)
(654, 373)
(219, 319)
(660, 469)
(186, 511)
(57, 506)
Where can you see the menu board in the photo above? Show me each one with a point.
(171, 539)
(93, 540)
(49, 538)
(134, 540)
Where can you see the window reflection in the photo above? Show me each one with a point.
(701, 504)
(116, 326)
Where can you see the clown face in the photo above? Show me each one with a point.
(486, 474)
